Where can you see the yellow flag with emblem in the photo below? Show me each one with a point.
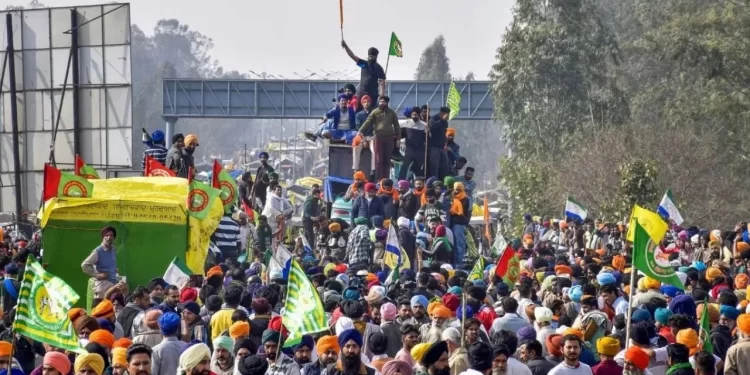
(651, 222)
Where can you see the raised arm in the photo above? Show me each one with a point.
(349, 52)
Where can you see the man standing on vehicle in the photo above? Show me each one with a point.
(311, 212)
(415, 144)
(156, 149)
(101, 264)
(385, 127)
(372, 79)
(175, 160)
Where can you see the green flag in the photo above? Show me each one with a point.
(454, 101)
(221, 180)
(705, 329)
(394, 48)
(649, 259)
(303, 310)
(42, 311)
(84, 170)
(199, 199)
(477, 273)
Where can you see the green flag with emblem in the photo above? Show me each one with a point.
(454, 101)
(222, 180)
(705, 329)
(303, 309)
(651, 260)
(395, 47)
(42, 311)
(199, 199)
(477, 273)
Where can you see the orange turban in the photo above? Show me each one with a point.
(637, 357)
(327, 343)
(450, 131)
(5, 348)
(441, 312)
(715, 235)
(431, 306)
(214, 271)
(574, 332)
(618, 262)
(689, 338)
(75, 313)
(562, 269)
(713, 312)
(359, 175)
(742, 247)
(102, 337)
(554, 344)
(528, 239)
(122, 343)
(371, 277)
(712, 273)
(743, 323)
(741, 281)
(105, 309)
(239, 329)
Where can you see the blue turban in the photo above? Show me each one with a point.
(479, 283)
(526, 333)
(377, 221)
(381, 276)
(419, 300)
(605, 278)
(683, 304)
(671, 291)
(262, 154)
(460, 312)
(730, 312)
(307, 341)
(618, 277)
(105, 325)
(455, 290)
(351, 294)
(640, 315)
(662, 315)
(343, 96)
(407, 111)
(381, 234)
(350, 334)
(575, 293)
(11, 268)
(169, 323)
(10, 288)
(700, 266)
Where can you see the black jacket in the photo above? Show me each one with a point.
(361, 208)
(408, 241)
(408, 205)
(466, 217)
(415, 139)
(540, 366)
(438, 127)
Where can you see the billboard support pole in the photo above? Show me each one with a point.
(76, 81)
(10, 53)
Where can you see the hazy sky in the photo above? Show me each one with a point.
(288, 36)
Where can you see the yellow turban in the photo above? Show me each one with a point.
(608, 346)
(641, 284)
(712, 273)
(713, 312)
(328, 267)
(94, 361)
(193, 355)
(191, 139)
(650, 283)
(119, 356)
(334, 227)
(689, 338)
(327, 343)
(239, 329)
(419, 350)
(743, 323)
(574, 332)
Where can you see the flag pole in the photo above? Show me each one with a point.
(633, 273)
(387, 60)
(341, 18)
(463, 317)
(426, 143)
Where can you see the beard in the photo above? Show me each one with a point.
(445, 371)
(271, 356)
(498, 371)
(570, 357)
(302, 361)
(351, 363)
(196, 372)
(632, 372)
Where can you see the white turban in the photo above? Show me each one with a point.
(682, 276)
(193, 355)
(403, 222)
(695, 239)
(543, 314)
(446, 266)
(342, 324)
(451, 334)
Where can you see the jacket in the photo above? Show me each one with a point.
(383, 122)
(389, 207)
(408, 205)
(540, 366)
(736, 362)
(438, 127)
(407, 240)
(453, 153)
(415, 135)
(466, 217)
(361, 118)
(360, 208)
(334, 116)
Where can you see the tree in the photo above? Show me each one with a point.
(434, 64)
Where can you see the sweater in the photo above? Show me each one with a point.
(384, 123)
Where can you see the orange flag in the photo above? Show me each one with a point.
(487, 232)
(156, 169)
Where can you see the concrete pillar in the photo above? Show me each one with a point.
(169, 130)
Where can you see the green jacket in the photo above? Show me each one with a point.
(383, 122)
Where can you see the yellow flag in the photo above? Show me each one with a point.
(651, 222)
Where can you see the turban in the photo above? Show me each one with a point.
(608, 346)
(433, 353)
(574, 332)
(191, 139)
(671, 291)
(418, 351)
(122, 343)
(105, 324)
(637, 357)
(395, 366)
(306, 341)
(92, 360)
(403, 184)
(450, 132)
(742, 247)
(76, 313)
(713, 312)
(712, 273)
(388, 311)
(102, 337)
(239, 329)
(270, 335)
(350, 335)
(689, 338)
(403, 222)
(743, 323)
(361, 221)
(327, 343)
(334, 227)
(575, 293)
(58, 361)
(359, 175)
(86, 322)
(526, 333)
(683, 304)
(152, 318)
(119, 357)
(455, 290)
(730, 312)
(618, 262)
(650, 283)
(169, 323)
(662, 315)
(542, 314)
(192, 307)
(104, 309)
(741, 281)
(109, 230)
(451, 301)
(480, 356)
(605, 278)
(441, 312)
(419, 300)
(370, 186)
(224, 342)
(188, 294)
(252, 365)
(262, 154)
(449, 181)
(714, 235)
(562, 269)
(640, 315)
(193, 355)
(700, 266)
(351, 308)
(554, 344)
(215, 271)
